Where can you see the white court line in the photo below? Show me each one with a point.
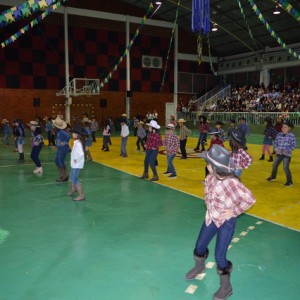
(24, 165)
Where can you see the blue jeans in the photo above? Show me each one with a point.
(171, 168)
(35, 152)
(150, 160)
(74, 176)
(60, 156)
(238, 172)
(123, 146)
(202, 140)
(224, 236)
(286, 163)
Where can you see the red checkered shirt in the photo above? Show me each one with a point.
(154, 141)
(223, 195)
(241, 158)
(171, 143)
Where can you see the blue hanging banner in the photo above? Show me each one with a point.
(201, 16)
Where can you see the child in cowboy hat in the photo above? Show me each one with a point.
(183, 135)
(62, 144)
(242, 159)
(37, 142)
(154, 141)
(284, 144)
(225, 198)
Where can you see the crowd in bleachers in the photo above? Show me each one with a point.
(274, 98)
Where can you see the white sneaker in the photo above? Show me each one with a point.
(38, 170)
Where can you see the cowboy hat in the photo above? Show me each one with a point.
(124, 115)
(153, 124)
(4, 121)
(171, 126)
(220, 158)
(238, 136)
(181, 121)
(59, 123)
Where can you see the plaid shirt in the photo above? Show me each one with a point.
(223, 195)
(154, 141)
(184, 132)
(171, 142)
(241, 158)
(284, 144)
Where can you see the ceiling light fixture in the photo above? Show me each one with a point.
(276, 11)
(214, 28)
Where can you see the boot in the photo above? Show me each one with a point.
(64, 176)
(80, 196)
(72, 190)
(21, 158)
(199, 266)
(60, 174)
(270, 159)
(155, 178)
(144, 176)
(262, 157)
(225, 289)
(88, 155)
(38, 170)
(106, 148)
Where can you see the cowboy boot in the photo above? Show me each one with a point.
(199, 266)
(155, 178)
(262, 157)
(144, 176)
(270, 159)
(80, 196)
(225, 289)
(60, 174)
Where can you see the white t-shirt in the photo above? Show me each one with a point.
(77, 155)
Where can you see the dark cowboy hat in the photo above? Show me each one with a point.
(238, 136)
(220, 158)
(79, 131)
(288, 123)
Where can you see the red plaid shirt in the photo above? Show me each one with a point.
(241, 158)
(171, 143)
(154, 141)
(222, 195)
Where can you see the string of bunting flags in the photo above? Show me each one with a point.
(125, 53)
(170, 45)
(24, 10)
(24, 29)
(289, 8)
(271, 31)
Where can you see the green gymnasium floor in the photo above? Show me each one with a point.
(133, 239)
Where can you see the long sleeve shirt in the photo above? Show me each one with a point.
(124, 131)
(77, 155)
(241, 158)
(171, 143)
(184, 132)
(223, 195)
(284, 144)
(154, 141)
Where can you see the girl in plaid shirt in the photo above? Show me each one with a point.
(241, 158)
(154, 141)
(225, 198)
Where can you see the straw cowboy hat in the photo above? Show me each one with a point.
(153, 124)
(4, 121)
(220, 158)
(181, 121)
(59, 123)
(33, 123)
(124, 115)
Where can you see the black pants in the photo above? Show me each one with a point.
(182, 148)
